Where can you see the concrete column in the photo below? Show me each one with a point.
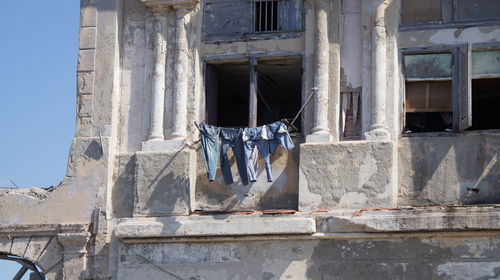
(158, 100)
(181, 75)
(320, 131)
(75, 259)
(378, 129)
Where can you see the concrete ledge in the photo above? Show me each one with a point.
(41, 229)
(213, 226)
(413, 220)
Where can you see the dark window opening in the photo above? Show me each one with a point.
(227, 94)
(485, 104)
(429, 106)
(266, 16)
(278, 88)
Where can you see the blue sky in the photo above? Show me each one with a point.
(38, 55)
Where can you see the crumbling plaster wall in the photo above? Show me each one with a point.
(90, 161)
(440, 170)
(411, 257)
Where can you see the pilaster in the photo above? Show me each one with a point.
(74, 254)
(320, 130)
(378, 129)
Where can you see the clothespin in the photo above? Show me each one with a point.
(197, 126)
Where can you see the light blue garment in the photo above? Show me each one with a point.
(257, 137)
(278, 135)
(210, 143)
(232, 138)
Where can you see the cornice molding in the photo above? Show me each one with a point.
(166, 4)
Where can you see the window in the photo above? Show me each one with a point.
(485, 89)
(429, 90)
(236, 19)
(253, 91)
(418, 12)
(266, 15)
(454, 89)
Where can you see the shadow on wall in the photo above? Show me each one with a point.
(282, 193)
(449, 170)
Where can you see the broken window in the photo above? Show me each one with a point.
(448, 11)
(233, 19)
(459, 89)
(253, 92)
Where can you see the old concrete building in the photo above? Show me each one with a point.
(394, 174)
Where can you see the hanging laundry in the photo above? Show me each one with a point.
(257, 137)
(210, 145)
(243, 142)
(232, 138)
(278, 135)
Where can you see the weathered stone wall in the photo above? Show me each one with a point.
(140, 68)
(346, 175)
(404, 257)
(440, 170)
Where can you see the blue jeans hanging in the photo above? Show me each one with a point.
(257, 137)
(210, 144)
(232, 138)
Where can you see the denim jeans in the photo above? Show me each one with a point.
(257, 137)
(278, 134)
(232, 138)
(210, 144)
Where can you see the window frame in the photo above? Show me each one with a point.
(461, 82)
(455, 52)
(450, 20)
(251, 59)
(252, 34)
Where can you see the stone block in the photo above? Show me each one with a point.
(87, 37)
(346, 175)
(35, 248)
(86, 60)
(85, 106)
(86, 83)
(213, 226)
(55, 273)
(164, 182)
(5, 244)
(84, 127)
(19, 246)
(52, 255)
(88, 13)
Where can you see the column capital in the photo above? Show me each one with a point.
(74, 243)
(166, 4)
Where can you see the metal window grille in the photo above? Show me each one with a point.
(266, 15)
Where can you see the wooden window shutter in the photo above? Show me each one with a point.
(465, 89)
